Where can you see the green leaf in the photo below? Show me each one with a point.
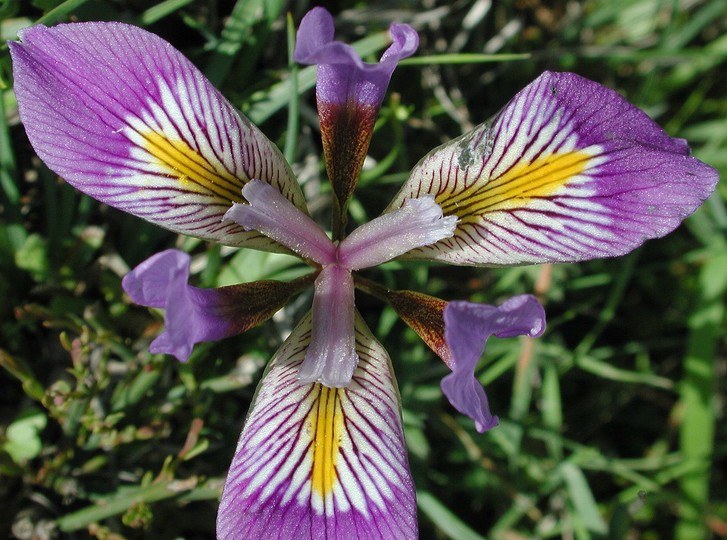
(161, 10)
(698, 389)
(582, 498)
(22, 439)
(33, 257)
(125, 498)
(60, 13)
(20, 369)
(443, 518)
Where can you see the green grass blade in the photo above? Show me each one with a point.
(443, 518)
(462, 58)
(698, 396)
(291, 133)
(161, 10)
(127, 498)
(247, 28)
(61, 12)
(582, 498)
(12, 234)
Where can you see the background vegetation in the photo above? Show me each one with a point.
(612, 423)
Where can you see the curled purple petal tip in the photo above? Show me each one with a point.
(468, 326)
(193, 315)
(161, 282)
(342, 75)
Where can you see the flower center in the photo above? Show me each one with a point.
(331, 357)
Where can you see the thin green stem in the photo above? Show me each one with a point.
(371, 287)
(291, 135)
(698, 389)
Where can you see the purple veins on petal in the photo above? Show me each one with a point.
(419, 222)
(468, 326)
(127, 119)
(192, 314)
(317, 462)
(568, 170)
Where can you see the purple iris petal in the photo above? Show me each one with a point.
(342, 75)
(567, 171)
(349, 93)
(127, 119)
(193, 315)
(161, 282)
(276, 217)
(467, 328)
(315, 462)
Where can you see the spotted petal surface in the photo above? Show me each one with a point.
(317, 462)
(124, 117)
(567, 171)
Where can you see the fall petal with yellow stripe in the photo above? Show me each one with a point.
(567, 171)
(321, 462)
(126, 118)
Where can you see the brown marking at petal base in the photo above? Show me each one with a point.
(425, 315)
(346, 130)
(248, 304)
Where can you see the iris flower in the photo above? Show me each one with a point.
(567, 171)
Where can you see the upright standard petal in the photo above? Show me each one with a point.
(126, 118)
(343, 78)
(467, 328)
(193, 315)
(567, 171)
(349, 93)
(317, 462)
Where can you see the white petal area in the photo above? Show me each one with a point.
(318, 462)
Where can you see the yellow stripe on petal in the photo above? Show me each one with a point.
(124, 117)
(567, 171)
(517, 187)
(321, 462)
(191, 168)
(327, 427)
(522, 187)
